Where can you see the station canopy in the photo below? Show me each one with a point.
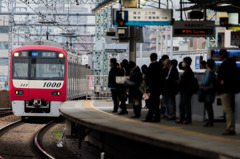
(230, 6)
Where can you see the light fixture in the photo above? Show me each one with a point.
(60, 55)
(16, 54)
(224, 4)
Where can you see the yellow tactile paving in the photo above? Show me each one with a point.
(89, 105)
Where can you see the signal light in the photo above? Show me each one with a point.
(121, 22)
(6, 83)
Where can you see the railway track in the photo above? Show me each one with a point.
(22, 140)
(5, 112)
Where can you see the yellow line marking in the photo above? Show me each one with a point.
(89, 105)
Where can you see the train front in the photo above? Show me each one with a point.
(37, 80)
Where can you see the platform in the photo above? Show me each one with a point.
(193, 140)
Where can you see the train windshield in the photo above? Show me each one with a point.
(47, 69)
(38, 65)
(20, 69)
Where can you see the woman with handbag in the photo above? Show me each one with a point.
(134, 83)
(207, 87)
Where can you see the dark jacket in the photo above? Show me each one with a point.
(208, 79)
(187, 81)
(228, 73)
(112, 77)
(153, 78)
(170, 85)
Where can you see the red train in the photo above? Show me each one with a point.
(43, 74)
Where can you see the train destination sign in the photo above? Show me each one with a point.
(193, 29)
(137, 16)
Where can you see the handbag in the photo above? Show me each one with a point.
(121, 79)
(201, 95)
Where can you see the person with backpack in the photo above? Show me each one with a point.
(228, 80)
(187, 89)
(208, 86)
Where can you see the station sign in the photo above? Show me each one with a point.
(141, 17)
(235, 38)
(233, 28)
(193, 29)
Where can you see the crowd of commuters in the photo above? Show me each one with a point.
(162, 79)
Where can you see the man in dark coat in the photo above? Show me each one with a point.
(154, 84)
(186, 92)
(112, 83)
(170, 88)
(227, 76)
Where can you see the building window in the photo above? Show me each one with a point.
(4, 45)
(3, 61)
(4, 29)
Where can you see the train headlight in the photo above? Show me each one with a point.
(60, 55)
(18, 92)
(56, 93)
(16, 54)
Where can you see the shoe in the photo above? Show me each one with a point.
(114, 111)
(172, 118)
(146, 120)
(156, 120)
(179, 121)
(208, 125)
(164, 117)
(123, 113)
(229, 132)
(186, 122)
(135, 116)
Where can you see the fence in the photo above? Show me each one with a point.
(97, 87)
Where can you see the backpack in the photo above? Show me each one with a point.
(195, 86)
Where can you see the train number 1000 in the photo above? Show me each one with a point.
(52, 84)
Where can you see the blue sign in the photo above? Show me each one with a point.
(146, 16)
(34, 54)
(197, 62)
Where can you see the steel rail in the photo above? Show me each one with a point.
(38, 146)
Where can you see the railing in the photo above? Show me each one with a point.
(97, 87)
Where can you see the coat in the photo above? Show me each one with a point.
(170, 85)
(112, 77)
(186, 82)
(228, 73)
(208, 78)
(153, 78)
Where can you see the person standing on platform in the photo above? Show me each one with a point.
(154, 84)
(186, 92)
(134, 84)
(144, 69)
(121, 90)
(228, 76)
(112, 83)
(208, 87)
(170, 88)
(203, 65)
(163, 77)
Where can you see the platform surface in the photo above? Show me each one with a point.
(192, 139)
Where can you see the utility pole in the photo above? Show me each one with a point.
(132, 43)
